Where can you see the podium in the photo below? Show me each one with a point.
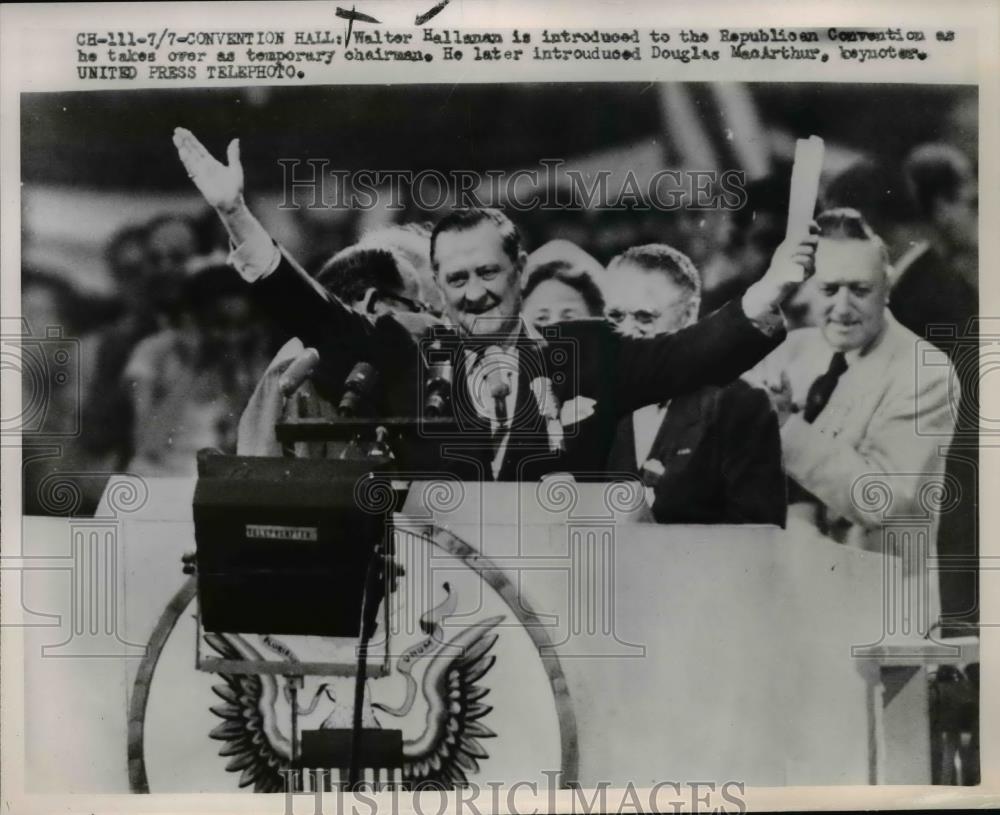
(697, 651)
(607, 649)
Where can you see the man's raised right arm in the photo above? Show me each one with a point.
(303, 307)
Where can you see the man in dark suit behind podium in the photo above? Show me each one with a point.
(710, 456)
(525, 405)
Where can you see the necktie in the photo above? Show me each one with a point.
(822, 389)
(497, 373)
(499, 390)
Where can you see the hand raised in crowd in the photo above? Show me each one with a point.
(791, 265)
(220, 184)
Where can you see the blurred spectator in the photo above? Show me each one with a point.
(614, 231)
(107, 407)
(936, 279)
(565, 225)
(961, 124)
(53, 313)
(189, 382)
(373, 279)
(711, 456)
(557, 291)
(748, 239)
(128, 261)
(370, 278)
(867, 186)
(172, 240)
(936, 295)
(56, 345)
(562, 249)
(413, 242)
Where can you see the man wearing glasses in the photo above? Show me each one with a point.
(510, 388)
(710, 456)
(375, 281)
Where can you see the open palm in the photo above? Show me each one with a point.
(220, 184)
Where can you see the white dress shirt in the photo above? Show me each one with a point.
(506, 360)
(646, 423)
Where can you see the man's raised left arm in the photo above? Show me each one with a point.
(719, 347)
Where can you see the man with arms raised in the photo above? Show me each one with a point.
(711, 456)
(516, 396)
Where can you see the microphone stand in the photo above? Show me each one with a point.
(369, 616)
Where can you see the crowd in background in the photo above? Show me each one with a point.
(165, 363)
(168, 361)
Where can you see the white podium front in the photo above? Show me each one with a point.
(623, 651)
(696, 652)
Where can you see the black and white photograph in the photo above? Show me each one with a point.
(384, 442)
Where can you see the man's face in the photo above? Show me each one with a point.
(852, 292)
(479, 282)
(130, 260)
(171, 245)
(131, 267)
(228, 320)
(644, 303)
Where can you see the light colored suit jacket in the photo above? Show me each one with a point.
(874, 456)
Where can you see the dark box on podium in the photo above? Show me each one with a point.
(284, 544)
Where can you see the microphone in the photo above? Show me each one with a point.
(358, 389)
(437, 387)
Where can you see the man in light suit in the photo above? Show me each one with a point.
(866, 409)
(712, 456)
(509, 396)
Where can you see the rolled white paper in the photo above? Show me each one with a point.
(805, 185)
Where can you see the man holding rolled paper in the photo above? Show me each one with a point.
(711, 456)
(864, 412)
(535, 405)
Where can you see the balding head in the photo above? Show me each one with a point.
(652, 289)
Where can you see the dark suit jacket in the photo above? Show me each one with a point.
(928, 293)
(581, 358)
(721, 453)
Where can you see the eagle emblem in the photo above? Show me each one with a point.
(443, 682)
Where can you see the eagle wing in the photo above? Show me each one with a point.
(449, 748)
(254, 749)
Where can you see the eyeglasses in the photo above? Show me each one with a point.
(414, 306)
(642, 316)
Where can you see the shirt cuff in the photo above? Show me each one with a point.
(770, 324)
(256, 257)
(765, 317)
(255, 262)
